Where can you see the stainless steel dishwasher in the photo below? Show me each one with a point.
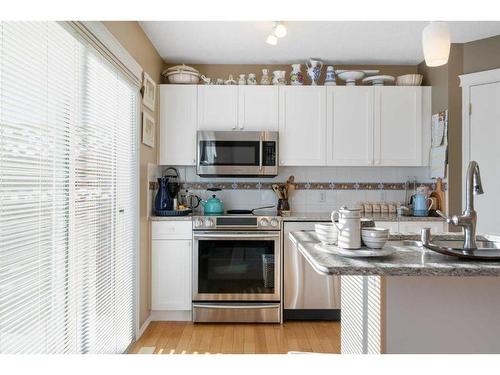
(307, 294)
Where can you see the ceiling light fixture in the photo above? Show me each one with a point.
(436, 43)
(272, 40)
(279, 29)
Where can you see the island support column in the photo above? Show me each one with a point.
(361, 315)
(420, 314)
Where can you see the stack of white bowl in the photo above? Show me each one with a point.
(374, 238)
(327, 233)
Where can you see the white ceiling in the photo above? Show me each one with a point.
(337, 42)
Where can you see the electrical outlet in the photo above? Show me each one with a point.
(322, 196)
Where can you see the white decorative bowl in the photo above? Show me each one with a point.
(378, 80)
(350, 76)
(375, 238)
(182, 77)
(409, 80)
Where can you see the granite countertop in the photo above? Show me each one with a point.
(171, 218)
(325, 216)
(407, 261)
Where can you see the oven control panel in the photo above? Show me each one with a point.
(237, 222)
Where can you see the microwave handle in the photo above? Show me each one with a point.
(261, 145)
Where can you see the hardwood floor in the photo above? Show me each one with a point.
(189, 338)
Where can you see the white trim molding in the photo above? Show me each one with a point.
(106, 43)
(480, 78)
(466, 82)
(143, 328)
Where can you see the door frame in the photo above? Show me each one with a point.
(467, 81)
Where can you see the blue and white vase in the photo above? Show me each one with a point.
(330, 79)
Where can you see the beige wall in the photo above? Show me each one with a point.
(446, 94)
(133, 38)
(469, 57)
(223, 70)
(482, 55)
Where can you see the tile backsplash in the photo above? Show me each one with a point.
(309, 198)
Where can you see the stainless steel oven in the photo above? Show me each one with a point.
(236, 269)
(237, 153)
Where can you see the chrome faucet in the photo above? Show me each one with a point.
(468, 219)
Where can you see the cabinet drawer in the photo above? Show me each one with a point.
(165, 230)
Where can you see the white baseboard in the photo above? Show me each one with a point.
(143, 327)
(171, 315)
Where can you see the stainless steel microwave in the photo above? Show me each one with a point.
(237, 153)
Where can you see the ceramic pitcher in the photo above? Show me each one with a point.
(349, 227)
(314, 70)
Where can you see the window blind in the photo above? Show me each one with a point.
(68, 194)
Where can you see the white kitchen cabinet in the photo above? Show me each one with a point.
(401, 122)
(349, 134)
(302, 125)
(416, 226)
(258, 108)
(171, 265)
(217, 107)
(178, 124)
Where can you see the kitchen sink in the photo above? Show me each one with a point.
(486, 250)
(457, 245)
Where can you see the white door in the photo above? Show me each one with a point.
(398, 126)
(171, 275)
(178, 124)
(217, 107)
(302, 125)
(484, 130)
(258, 108)
(349, 125)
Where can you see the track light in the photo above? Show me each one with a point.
(279, 30)
(272, 40)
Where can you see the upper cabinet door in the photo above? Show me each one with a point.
(258, 108)
(398, 126)
(178, 124)
(302, 125)
(217, 107)
(349, 138)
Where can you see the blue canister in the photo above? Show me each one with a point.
(421, 204)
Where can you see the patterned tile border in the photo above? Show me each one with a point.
(153, 185)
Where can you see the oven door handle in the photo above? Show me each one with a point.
(261, 145)
(237, 306)
(236, 235)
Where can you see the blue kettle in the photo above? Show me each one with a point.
(420, 204)
(214, 205)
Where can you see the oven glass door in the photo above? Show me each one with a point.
(230, 153)
(236, 268)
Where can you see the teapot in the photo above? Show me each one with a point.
(212, 206)
(420, 206)
(349, 227)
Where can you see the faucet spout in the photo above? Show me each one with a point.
(473, 185)
(468, 219)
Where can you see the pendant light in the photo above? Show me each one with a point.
(436, 43)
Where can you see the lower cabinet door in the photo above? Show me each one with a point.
(171, 275)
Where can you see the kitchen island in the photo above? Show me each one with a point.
(414, 301)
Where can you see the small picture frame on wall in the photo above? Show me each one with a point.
(148, 92)
(148, 130)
